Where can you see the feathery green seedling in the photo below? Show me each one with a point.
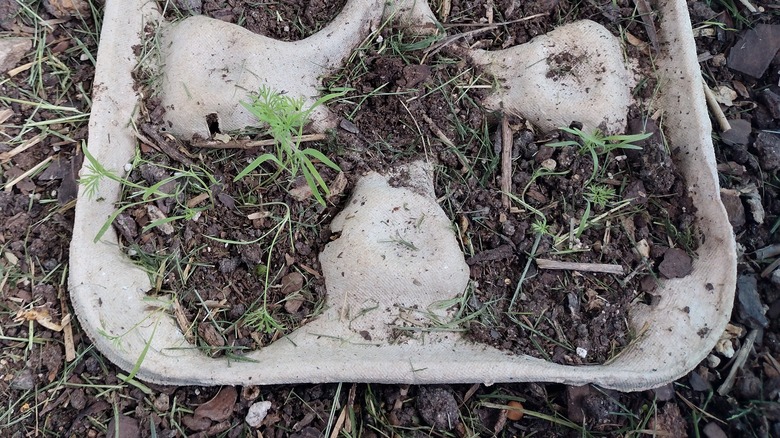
(259, 316)
(196, 179)
(600, 195)
(597, 145)
(286, 117)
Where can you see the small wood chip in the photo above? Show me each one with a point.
(584, 267)
(10, 185)
(5, 115)
(183, 322)
(67, 330)
(739, 362)
(197, 200)
(506, 161)
(160, 143)
(438, 132)
(712, 102)
(155, 214)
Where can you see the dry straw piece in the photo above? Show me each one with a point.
(107, 290)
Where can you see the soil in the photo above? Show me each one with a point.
(287, 20)
(50, 396)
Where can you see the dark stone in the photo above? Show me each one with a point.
(748, 386)
(774, 309)
(699, 383)
(24, 380)
(676, 263)
(193, 6)
(755, 50)
(712, 430)
(123, 427)
(636, 192)
(739, 134)
(701, 12)
(771, 101)
(664, 393)
(308, 432)
(750, 310)
(734, 208)
(768, 147)
(438, 407)
(762, 118)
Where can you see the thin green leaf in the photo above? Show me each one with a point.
(256, 163)
(321, 157)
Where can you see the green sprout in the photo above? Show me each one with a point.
(598, 144)
(286, 118)
(600, 195)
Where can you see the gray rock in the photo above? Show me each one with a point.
(23, 381)
(748, 386)
(12, 50)
(664, 393)
(438, 407)
(701, 11)
(8, 12)
(676, 263)
(775, 278)
(698, 383)
(257, 413)
(750, 310)
(771, 101)
(739, 134)
(768, 146)
(192, 6)
(734, 208)
(123, 427)
(755, 50)
(712, 430)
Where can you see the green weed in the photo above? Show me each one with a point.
(286, 118)
(598, 145)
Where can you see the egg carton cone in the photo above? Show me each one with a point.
(210, 66)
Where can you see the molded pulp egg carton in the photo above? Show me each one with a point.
(107, 289)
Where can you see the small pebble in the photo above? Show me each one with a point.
(257, 413)
(712, 430)
(162, 402)
(750, 310)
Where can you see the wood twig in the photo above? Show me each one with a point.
(447, 142)
(5, 114)
(67, 331)
(739, 362)
(769, 269)
(646, 12)
(574, 266)
(749, 6)
(767, 251)
(438, 132)
(10, 185)
(6, 156)
(251, 144)
(160, 143)
(506, 161)
(712, 102)
(444, 10)
(435, 48)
